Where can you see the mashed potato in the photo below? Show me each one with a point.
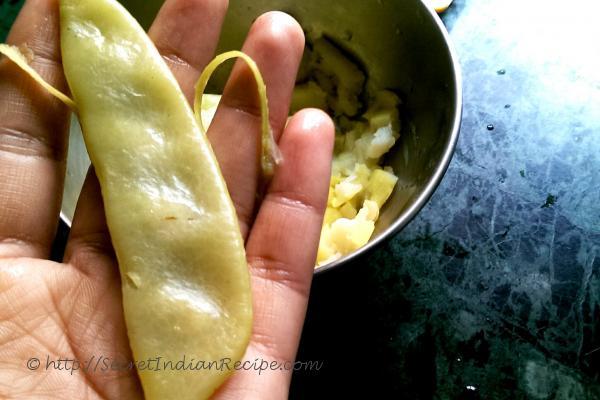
(359, 185)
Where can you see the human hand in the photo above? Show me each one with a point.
(73, 310)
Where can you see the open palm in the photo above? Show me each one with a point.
(72, 311)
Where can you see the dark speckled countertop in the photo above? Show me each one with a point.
(493, 291)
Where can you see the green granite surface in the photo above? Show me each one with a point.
(8, 12)
(493, 291)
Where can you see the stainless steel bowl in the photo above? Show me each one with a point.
(403, 45)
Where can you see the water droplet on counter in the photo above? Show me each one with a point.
(490, 127)
(501, 71)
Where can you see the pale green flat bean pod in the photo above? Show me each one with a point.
(186, 288)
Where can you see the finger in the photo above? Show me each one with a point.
(282, 250)
(186, 33)
(89, 231)
(276, 43)
(33, 131)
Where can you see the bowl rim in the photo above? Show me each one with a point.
(440, 169)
